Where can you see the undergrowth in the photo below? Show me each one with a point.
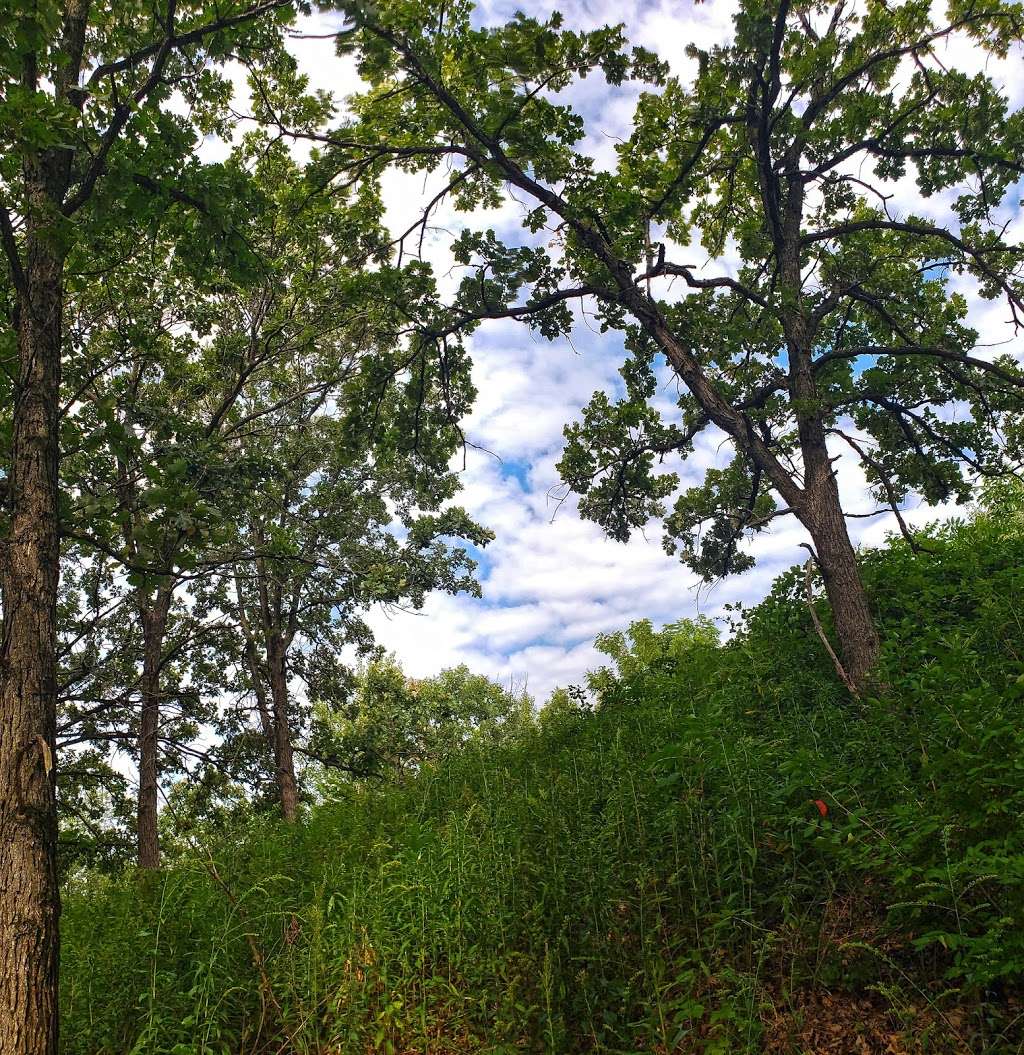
(715, 849)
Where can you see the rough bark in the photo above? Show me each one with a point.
(154, 627)
(29, 569)
(818, 507)
(820, 511)
(816, 504)
(854, 623)
(29, 558)
(284, 759)
(29, 896)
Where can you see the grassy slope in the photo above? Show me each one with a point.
(653, 876)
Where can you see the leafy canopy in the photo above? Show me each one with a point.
(746, 232)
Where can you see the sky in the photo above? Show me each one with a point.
(551, 582)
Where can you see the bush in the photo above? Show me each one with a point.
(717, 851)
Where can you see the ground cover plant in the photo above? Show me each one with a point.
(711, 847)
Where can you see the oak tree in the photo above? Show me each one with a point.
(838, 326)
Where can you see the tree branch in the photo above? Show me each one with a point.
(919, 350)
(10, 245)
(178, 41)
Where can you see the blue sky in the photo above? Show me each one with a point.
(551, 581)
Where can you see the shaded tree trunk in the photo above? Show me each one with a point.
(252, 661)
(154, 627)
(29, 896)
(259, 689)
(284, 759)
(816, 504)
(29, 575)
(859, 644)
(818, 507)
(820, 511)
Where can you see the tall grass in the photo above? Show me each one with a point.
(654, 874)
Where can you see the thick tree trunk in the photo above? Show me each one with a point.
(819, 507)
(284, 759)
(154, 627)
(851, 612)
(29, 896)
(816, 504)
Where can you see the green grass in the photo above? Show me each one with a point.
(648, 875)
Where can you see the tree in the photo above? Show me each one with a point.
(201, 401)
(332, 528)
(640, 647)
(65, 143)
(93, 797)
(143, 469)
(385, 725)
(106, 681)
(327, 496)
(838, 326)
(174, 341)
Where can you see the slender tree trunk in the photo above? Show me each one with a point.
(252, 661)
(259, 689)
(154, 627)
(29, 896)
(283, 756)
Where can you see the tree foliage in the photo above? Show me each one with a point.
(387, 725)
(841, 324)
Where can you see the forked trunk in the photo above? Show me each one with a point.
(154, 627)
(284, 759)
(816, 505)
(29, 896)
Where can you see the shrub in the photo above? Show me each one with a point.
(717, 850)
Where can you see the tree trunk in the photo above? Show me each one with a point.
(283, 756)
(851, 613)
(259, 689)
(819, 507)
(821, 512)
(154, 626)
(29, 895)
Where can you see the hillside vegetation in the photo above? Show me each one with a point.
(713, 848)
